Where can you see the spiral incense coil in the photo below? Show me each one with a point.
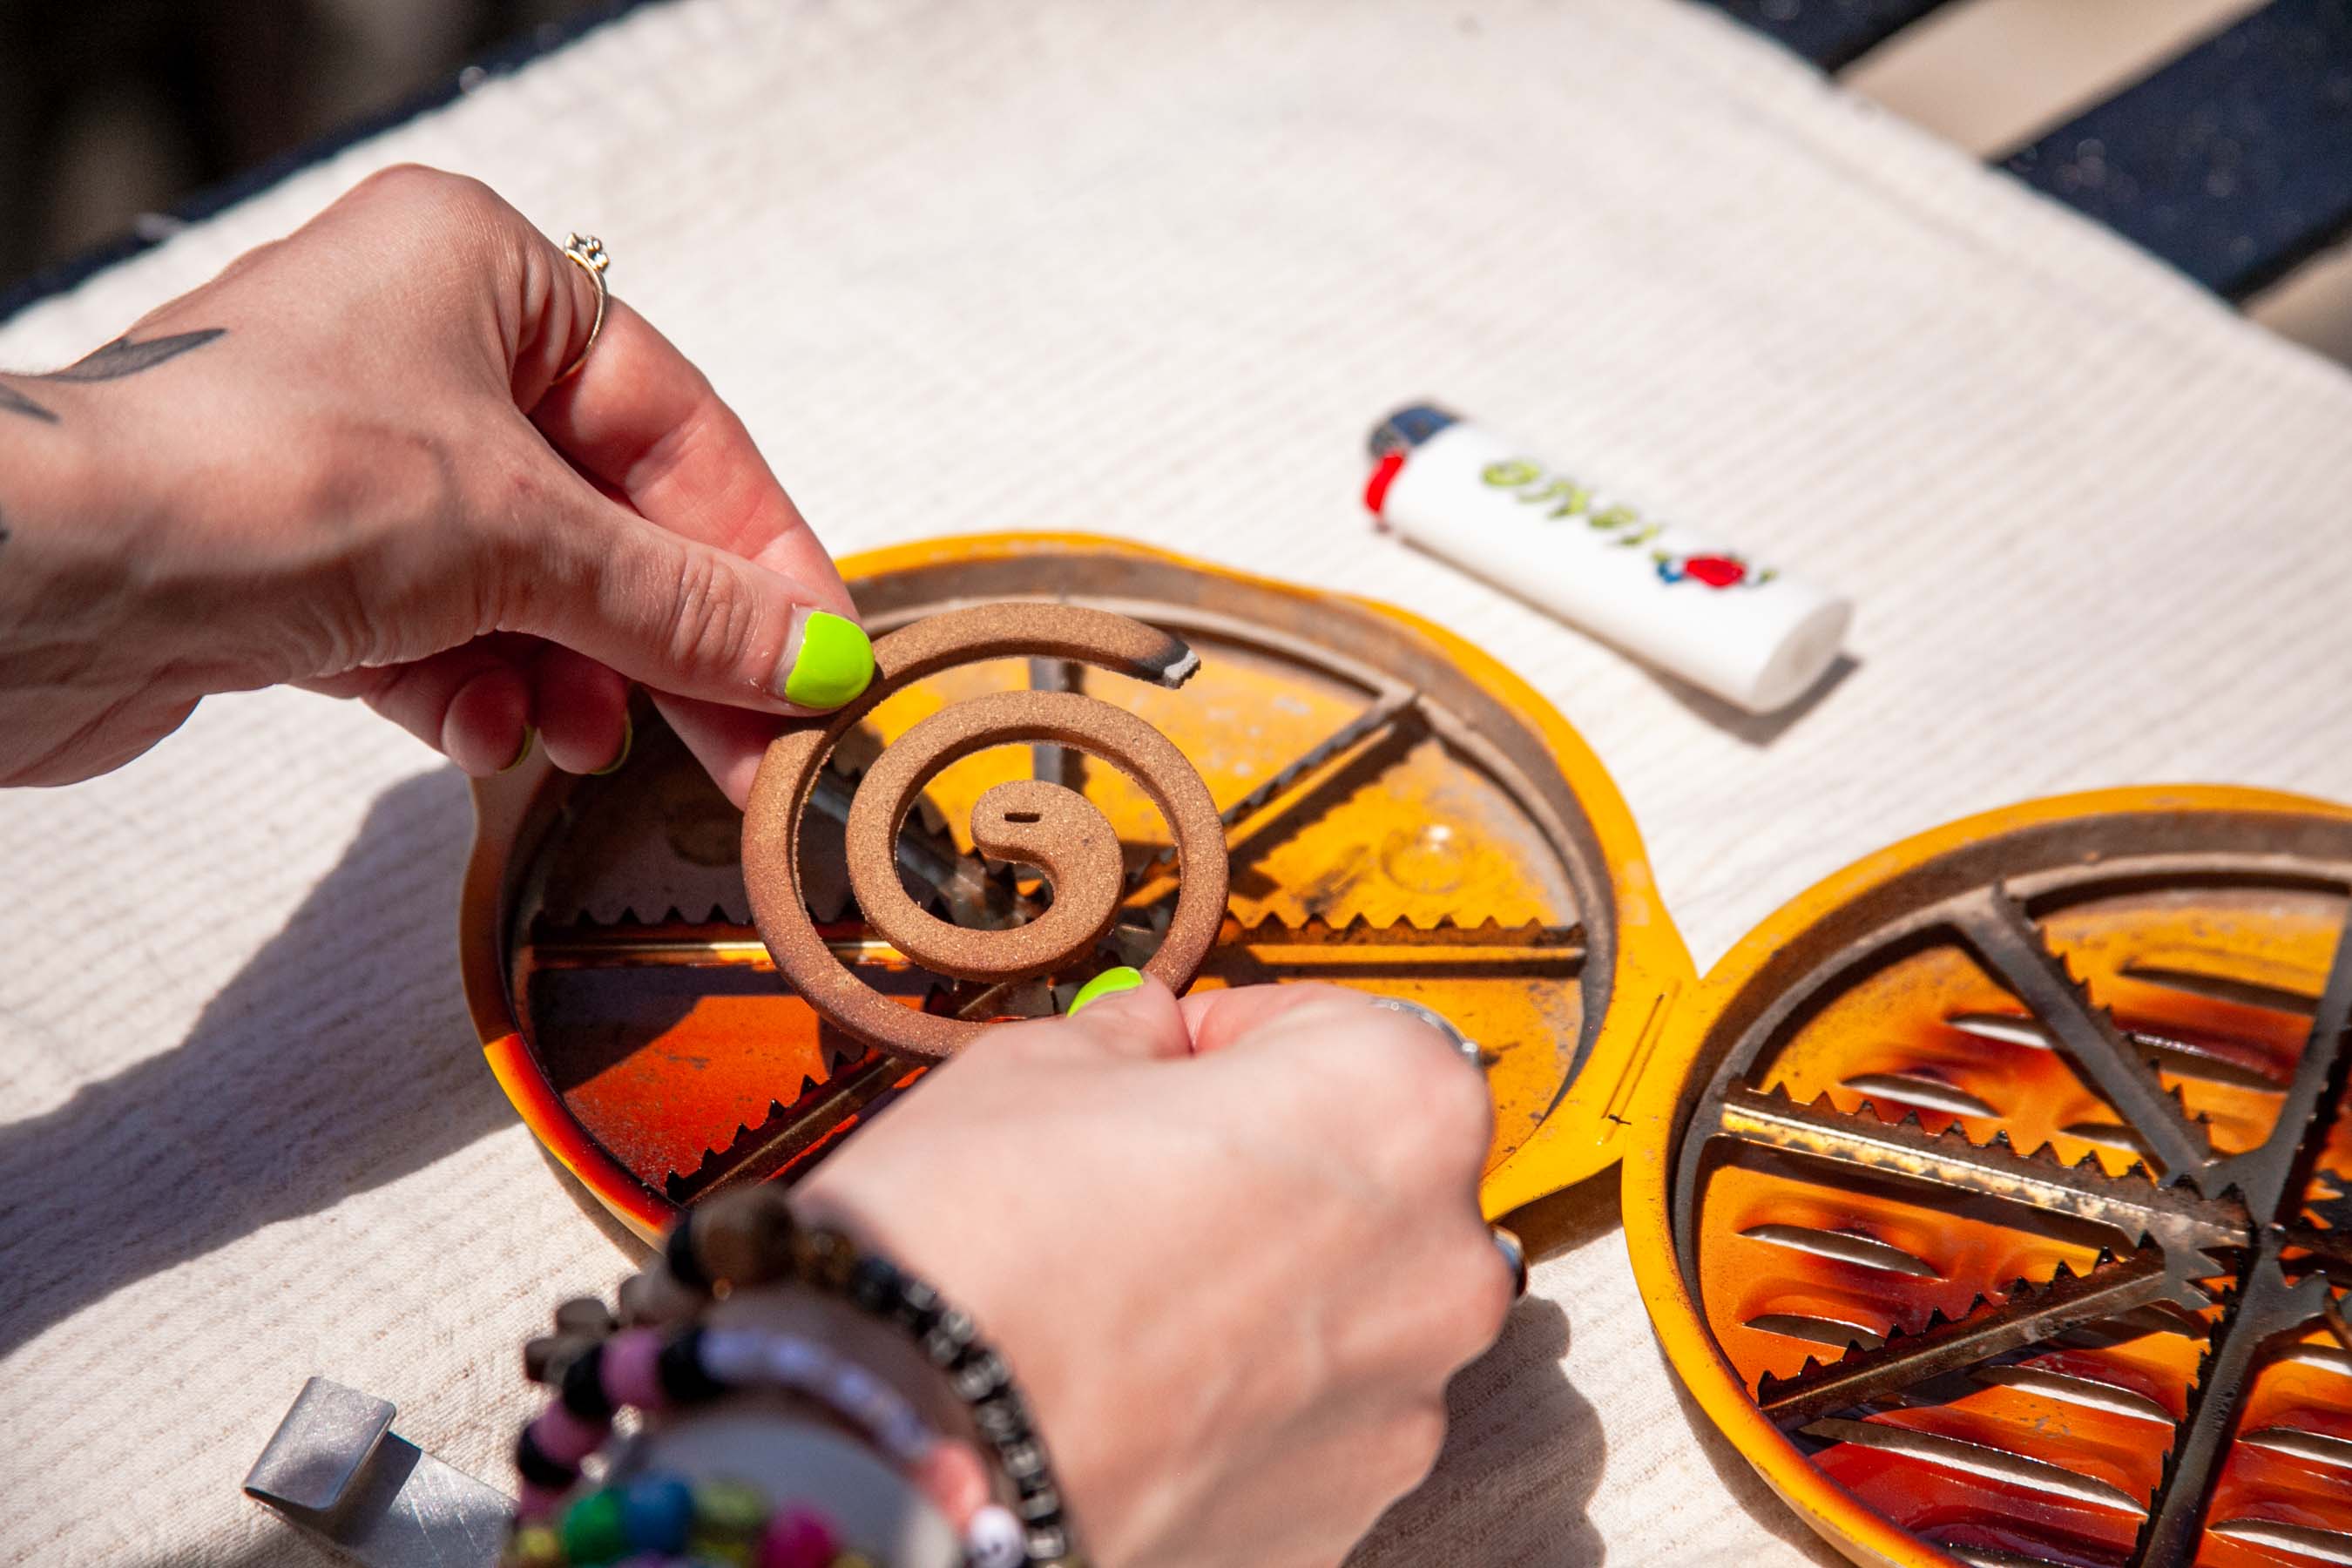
(1029, 821)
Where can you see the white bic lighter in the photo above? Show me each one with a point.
(1748, 633)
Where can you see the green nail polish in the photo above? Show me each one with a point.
(529, 739)
(1109, 983)
(628, 738)
(835, 662)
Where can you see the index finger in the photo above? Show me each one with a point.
(647, 427)
(641, 420)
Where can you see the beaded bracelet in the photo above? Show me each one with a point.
(649, 1369)
(752, 1238)
(662, 1521)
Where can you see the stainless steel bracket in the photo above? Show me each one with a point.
(335, 1467)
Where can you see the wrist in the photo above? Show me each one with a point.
(111, 621)
(1017, 1308)
(69, 623)
(48, 477)
(995, 1306)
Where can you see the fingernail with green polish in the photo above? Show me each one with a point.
(628, 738)
(828, 662)
(1109, 983)
(529, 739)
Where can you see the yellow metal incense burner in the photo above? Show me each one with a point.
(1404, 816)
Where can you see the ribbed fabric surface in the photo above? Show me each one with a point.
(1151, 271)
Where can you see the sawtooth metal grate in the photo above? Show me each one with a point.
(2015, 1200)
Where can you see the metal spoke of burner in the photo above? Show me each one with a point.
(790, 1131)
(2027, 1315)
(2014, 948)
(1005, 999)
(1387, 707)
(1252, 826)
(2177, 1218)
(973, 897)
(2265, 1305)
(1064, 766)
(1835, 1332)
(2002, 1029)
(1403, 953)
(2181, 1058)
(616, 947)
(2244, 1208)
(2283, 1163)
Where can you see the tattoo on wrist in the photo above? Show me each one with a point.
(118, 359)
(15, 402)
(122, 357)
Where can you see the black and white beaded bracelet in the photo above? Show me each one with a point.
(753, 1237)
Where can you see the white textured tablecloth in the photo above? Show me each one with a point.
(1151, 271)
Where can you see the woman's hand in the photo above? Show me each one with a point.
(347, 462)
(1230, 1249)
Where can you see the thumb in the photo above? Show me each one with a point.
(682, 615)
(1125, 1013)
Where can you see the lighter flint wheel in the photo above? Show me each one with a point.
(1993, 1197)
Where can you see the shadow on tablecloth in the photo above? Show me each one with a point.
(1525, 1451)
(340, 1059)
(1496, 1497)
(1741, 1481)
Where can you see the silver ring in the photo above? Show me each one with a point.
(1461, 1042)
(1514, 1256)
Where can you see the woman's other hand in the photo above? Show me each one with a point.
(1231, 1248)
(349, 463)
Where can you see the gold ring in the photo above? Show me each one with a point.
(589, 252)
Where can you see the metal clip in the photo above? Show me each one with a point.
(335, 1466)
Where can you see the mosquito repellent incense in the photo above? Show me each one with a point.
(1747, 632)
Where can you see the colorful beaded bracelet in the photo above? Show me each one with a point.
(649, 1369)
(661, 1521)
(752, 1238)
